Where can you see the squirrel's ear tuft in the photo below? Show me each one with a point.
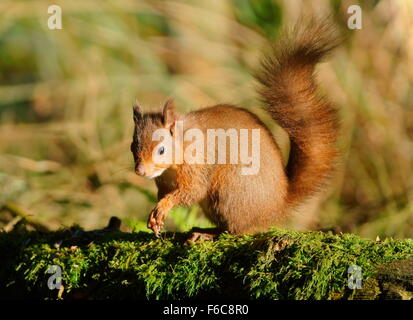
(169, 114)
(137, 111)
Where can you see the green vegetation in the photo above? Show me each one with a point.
(279, 264)
(65, 103)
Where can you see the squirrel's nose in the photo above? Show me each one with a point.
(140, 170)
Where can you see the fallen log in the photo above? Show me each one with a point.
(280, 264)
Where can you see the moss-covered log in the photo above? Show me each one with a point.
(274, 265)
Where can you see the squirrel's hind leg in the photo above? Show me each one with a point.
(200, 234)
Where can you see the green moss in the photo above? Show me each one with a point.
(275, 265)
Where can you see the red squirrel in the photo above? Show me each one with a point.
(234, 202)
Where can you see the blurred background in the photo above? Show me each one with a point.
(66, 119)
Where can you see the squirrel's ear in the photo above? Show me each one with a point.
(137, 111)
(169, 114)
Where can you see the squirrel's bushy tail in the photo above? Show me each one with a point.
(289, 92)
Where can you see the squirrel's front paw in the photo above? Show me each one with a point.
(156, 220)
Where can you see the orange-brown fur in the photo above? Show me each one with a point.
(250, 203)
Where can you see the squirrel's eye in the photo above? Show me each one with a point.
(161, 150)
